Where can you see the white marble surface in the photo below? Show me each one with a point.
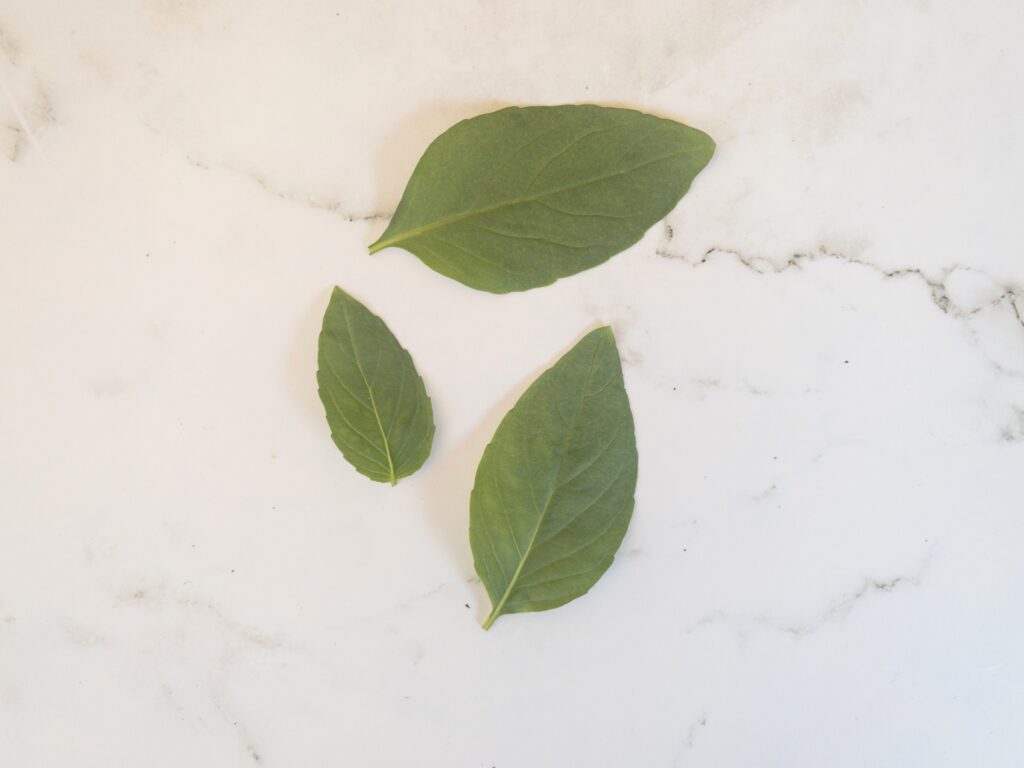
(824, 348)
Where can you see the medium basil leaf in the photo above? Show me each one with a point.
(376, 404)
(520, 197)
(554, 490)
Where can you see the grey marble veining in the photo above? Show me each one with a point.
(823, 346)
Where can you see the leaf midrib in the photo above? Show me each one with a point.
(373, 402)
(421, 230)
(547, 505)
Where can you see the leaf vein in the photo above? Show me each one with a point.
(425, 228)
(352, 426)
(575, 142)
(376, 412)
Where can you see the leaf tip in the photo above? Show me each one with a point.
(604, 332)
(709, 146)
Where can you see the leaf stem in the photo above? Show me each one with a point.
(493, 616)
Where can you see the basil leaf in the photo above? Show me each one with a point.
(520, 197)
(376, 404)
(554, 490)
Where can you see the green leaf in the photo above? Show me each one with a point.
(520, 197)
(554, 490)
(376, 404)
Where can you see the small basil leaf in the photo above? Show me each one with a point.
(520, 197)
(554, 490)
(376, 404)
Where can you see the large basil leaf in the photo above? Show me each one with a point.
(376, 404)
(520, 197)
(554, 490)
